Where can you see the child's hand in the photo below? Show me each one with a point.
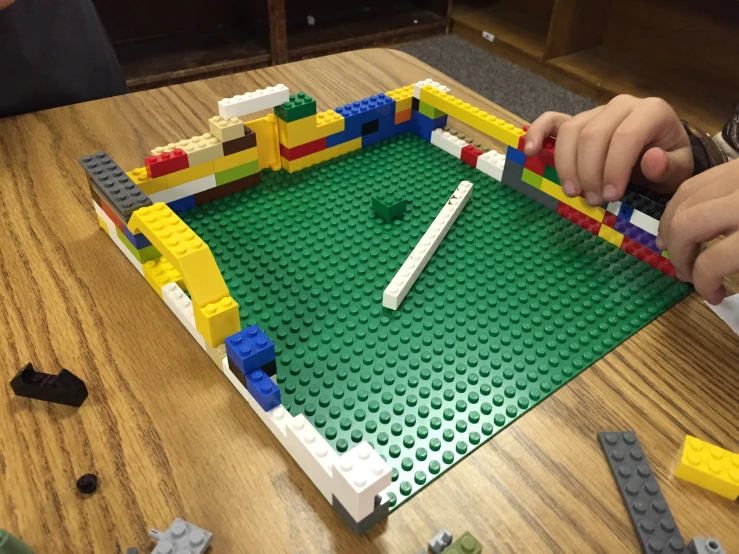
(597, 151)
(703, 208)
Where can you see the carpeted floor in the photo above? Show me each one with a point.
(506, 84)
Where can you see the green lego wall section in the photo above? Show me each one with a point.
(516, 302)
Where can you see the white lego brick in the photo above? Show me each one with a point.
(181, 306)
(184, 190)
(614, 207)
(421, 254)
(114, 237)
(245, 104)
(448, 142)
(358, 477)
(645, 222)
(420, 84)
(312, 453)
(492, 164)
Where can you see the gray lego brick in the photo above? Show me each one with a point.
(648, 510)
(703, 545)
(132, 550)
(512, 173)
(382, 510)
(441, 541)
(117, 187)
(181, 538)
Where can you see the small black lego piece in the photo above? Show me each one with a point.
(65, 388)
(87, 484)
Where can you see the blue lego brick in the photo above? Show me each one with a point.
(263, 389)
(516, 156)
(250, 349)
(387, 129)
(182, 205)
(625, 212)
(423, 126)
(357, 114)
(636, 234)
(138, 240)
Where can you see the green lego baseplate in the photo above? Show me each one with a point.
(516, 302)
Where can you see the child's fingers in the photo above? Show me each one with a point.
(546, 125)
(713, 265)
(565, 153)
(667, 168)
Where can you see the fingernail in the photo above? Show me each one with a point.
(659, 243)
(528, 146)
(570, 188)
(610, 193)
(592, 198)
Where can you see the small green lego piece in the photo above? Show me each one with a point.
(298, 107)
(551, 174)
(430, 111)
(13, 545)
(389, 210)
(531, 178)
(466, 544)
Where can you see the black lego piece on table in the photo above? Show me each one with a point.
(87, 484)
(65, 388)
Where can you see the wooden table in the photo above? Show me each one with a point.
(168, 436)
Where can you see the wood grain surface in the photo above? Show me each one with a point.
(168, 436)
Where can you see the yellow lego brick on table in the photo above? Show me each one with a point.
(611, 235)
(474, 117)
(190, 174)
(103, 225)
(184, 249)
(709, 467)
(235, 160)
(579, 203)
(268, 141)
(218, 320)
(309, 129)
(160, 272)
(146, 183)
(226, 129)
(322, 156)
(403, 98)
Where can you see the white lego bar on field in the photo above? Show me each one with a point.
(413, 266)
(181, 306)
(111, 228)
(184, 190)
(448, 142)
(645, 222)
(312, 453)
(359, 476)
(420, 84)
(246, 104)
(492, 164)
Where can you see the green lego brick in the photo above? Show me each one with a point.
(430, 111)
(516, 302)
(466, 544)
(531, 178)
(12, 545)
(144, 255)
(389, 209)
(300, 105)
(238, 172)
(551, 174)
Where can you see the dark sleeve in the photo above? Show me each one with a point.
(706, 153)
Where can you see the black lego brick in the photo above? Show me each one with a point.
(633, 198)
(117, 187)
(65, 388)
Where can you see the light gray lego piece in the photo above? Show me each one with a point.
(512, 173)
(704, 545)
(441, 540)
(132, 550)
(117, 187)
(641, 494)
(381, 511)
(181, 538)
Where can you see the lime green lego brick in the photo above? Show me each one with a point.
(13, 545)
(430, 111)
(551, 174)
(238, 172)
(143, 255)
(515, 303)
(299, 106)
(466, 544)
(531, 178)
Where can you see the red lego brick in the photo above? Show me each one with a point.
(111, 214)
(578, 218)
(470, 155)
(642, 252)
(166, 163)
(526, 127)
(303, 150)
(535, 164)
(609, 219)
(522, 140)
(666, 266)
(547, 152)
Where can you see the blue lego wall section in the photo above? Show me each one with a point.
(423, 125)
(138, 240)
(357, 114)
(387, 129)
(182, 204)
(263, 389)
(250, 349)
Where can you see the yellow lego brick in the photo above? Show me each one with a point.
(268, 141)
(103, 225)
(235, 160)
(579, 203)
(322, 156)
(403, 98)
(160, 272)
(226, 129)
(611, 235)
(474, 117)
(309, 129)
(710, 467)
(146, 183)
(185, 250)
(190, 174)
(218, 320)
(202, 149)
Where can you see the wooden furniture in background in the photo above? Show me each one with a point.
(168, 436)
(681, 50)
